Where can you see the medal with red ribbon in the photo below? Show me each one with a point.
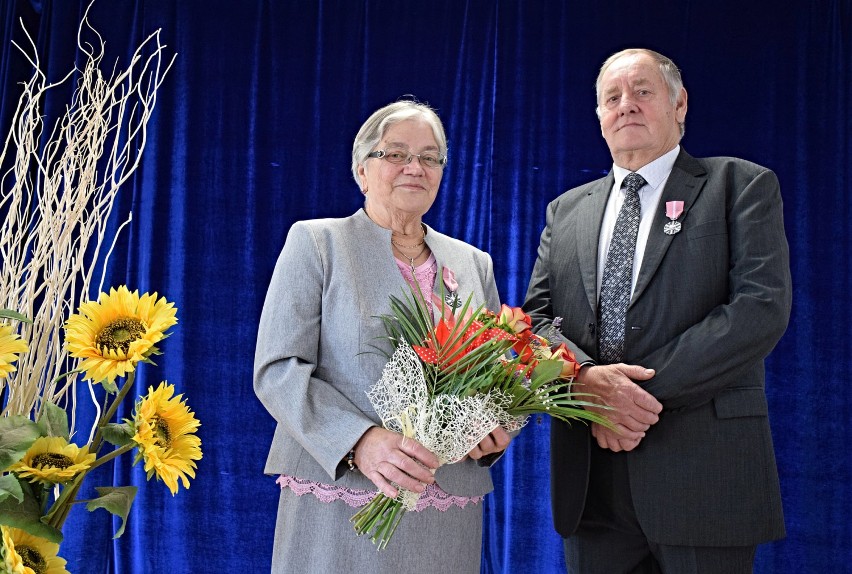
(673, 211)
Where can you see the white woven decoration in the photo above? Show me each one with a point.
(448, 425)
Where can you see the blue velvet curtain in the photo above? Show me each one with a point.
(253, 130)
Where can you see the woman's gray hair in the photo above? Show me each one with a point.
(670, 72)
(374, 129)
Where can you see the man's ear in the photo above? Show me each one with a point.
(680, 106)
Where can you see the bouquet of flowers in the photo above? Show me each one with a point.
(449, 386)
(58, 187)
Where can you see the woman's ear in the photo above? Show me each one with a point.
(362, 175)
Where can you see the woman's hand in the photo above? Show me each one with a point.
(497, 441)
(384, 456)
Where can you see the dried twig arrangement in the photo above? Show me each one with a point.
(56, 201)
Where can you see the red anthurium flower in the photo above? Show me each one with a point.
(437, 346)
(529, 364)
(438, 349)
(526, 354)
(447, 312)
(526, 345)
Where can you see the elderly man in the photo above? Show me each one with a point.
(672, 278)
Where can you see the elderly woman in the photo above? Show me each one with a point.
(315, 359)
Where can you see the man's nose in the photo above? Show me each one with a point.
(626, 104)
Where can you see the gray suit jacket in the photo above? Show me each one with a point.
(709, 305)
(315, 356)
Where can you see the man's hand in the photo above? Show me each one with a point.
(610, 439)
(632, 410)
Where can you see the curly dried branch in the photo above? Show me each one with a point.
(57, 198)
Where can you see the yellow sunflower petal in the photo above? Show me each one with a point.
(116, 332)
(52, 460)
(11, 346)
(10, 561)
(23, 553)
(165, 435)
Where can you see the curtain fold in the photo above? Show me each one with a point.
(253, 131)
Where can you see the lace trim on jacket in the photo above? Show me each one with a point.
(434, 497)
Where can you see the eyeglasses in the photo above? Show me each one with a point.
(430, 159)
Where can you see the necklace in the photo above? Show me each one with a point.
(407, 246)
(422, 237)
(412, 259)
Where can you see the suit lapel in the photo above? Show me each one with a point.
(588, 229)
(382, 274)
(446, 259)
(684, 184)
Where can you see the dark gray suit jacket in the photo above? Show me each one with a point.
(709, 305)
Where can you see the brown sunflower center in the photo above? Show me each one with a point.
(161, 430)
(52, 460)
(119, 334)
(32, 558)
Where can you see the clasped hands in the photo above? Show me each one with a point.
(388, 458)
(632, 409)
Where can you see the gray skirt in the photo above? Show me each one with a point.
(314, 537)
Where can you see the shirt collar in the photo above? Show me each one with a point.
(654, 173)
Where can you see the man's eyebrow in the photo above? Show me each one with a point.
(641, 81)
(611, 90)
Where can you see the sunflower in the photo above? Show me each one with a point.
(11, 346)
(117, 332)
(51, 460)
(23, 553)
(165, 434)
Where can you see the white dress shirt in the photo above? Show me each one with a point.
(656, 174)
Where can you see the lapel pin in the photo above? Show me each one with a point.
(451, 298)
(673, 210)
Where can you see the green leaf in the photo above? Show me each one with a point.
(54, 421)
(545, 372)
(9, 486)
(117, 500)
(409, 320)
(109, 387)
(119, 434)
(570, 414)
(9, 314)
(26, 515)
(67, 374)
(17, 434)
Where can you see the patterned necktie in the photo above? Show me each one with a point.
(618, 273)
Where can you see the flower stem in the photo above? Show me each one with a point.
(97, 441)
(62, 506)
(114, 454)
(380, 518)
(59, 511)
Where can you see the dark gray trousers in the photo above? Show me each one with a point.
(610, 539)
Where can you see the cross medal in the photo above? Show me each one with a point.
(673, 211)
